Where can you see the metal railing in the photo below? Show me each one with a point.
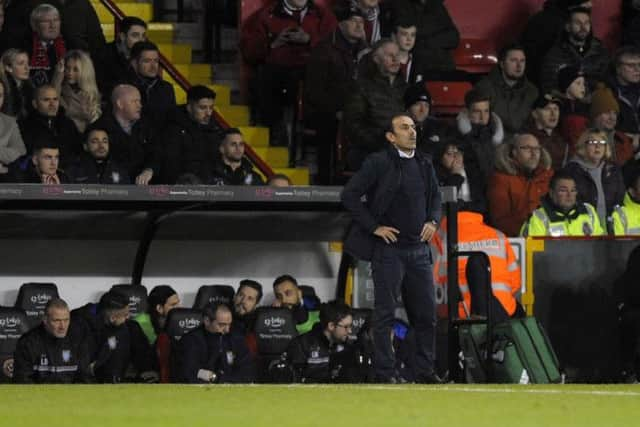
(168, 67)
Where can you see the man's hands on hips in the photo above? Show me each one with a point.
(428, 230)
(388, 234)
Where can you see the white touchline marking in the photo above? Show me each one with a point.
(417, 387)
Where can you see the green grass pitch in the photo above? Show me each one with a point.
(326, 406)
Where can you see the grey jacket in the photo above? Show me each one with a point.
(11, 144)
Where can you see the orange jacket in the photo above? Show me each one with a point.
(474, 235)
(513, 196)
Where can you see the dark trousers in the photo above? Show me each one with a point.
(630, 338)
(407, 273)
(326, 129)
(277, 89)
(479, 287)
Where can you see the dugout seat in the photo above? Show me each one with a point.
(179, 322)
(137, 295)
(362, 318)
(448, 96)
(13, 323)
(33, 297)
(214, 294)
(275, 328)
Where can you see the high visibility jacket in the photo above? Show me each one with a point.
(474, 235)
(626, 218)
(580, 221)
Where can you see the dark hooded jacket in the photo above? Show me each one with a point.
(188, 145)
(592, 58)
(512, 103)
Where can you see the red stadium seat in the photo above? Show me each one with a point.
(448, 97)
(475, 55)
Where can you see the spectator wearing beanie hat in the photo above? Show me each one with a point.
(430, 131)
(574, 107)
(544, 125)
(604, 117)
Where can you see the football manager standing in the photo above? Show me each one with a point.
(395, 203)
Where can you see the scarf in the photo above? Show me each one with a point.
(40, 63)
(40, 55)
(372, 23)
(297, 12)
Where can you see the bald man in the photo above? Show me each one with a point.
(131, 136)
(522, 175)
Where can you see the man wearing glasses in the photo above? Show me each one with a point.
(323, 354)
(626, 88)
(523, 172)
(560, 214)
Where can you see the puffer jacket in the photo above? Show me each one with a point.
(512, 103)
(479, 142)
(513, 195)
(593, 58)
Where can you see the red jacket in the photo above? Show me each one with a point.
(263, 28)
(512, 195)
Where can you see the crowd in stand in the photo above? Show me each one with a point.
(220, 342)
(557, 100)
(75, 109)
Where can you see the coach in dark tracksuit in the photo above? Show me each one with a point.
(56, 351)
(391, 229)
(210, 354)
(121, 350)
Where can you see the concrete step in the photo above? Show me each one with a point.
(276, 157)
(235, 115)
(255, 136)
(177, 53)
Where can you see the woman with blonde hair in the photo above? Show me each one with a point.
(75, 79)
(14, 73)
(599, 181)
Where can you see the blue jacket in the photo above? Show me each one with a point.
(378, 180)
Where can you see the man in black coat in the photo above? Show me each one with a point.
(192, 136)
(131, 137)
(95, 166)
(112, 62)
(542, 30)
(231, 167)
(323, 355)
(158, 96)
(53, 352)
(376, 96)
(391, 228)
(576, 46)
(48, 122)
(210, 354)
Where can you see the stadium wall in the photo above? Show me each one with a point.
(84, 269)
